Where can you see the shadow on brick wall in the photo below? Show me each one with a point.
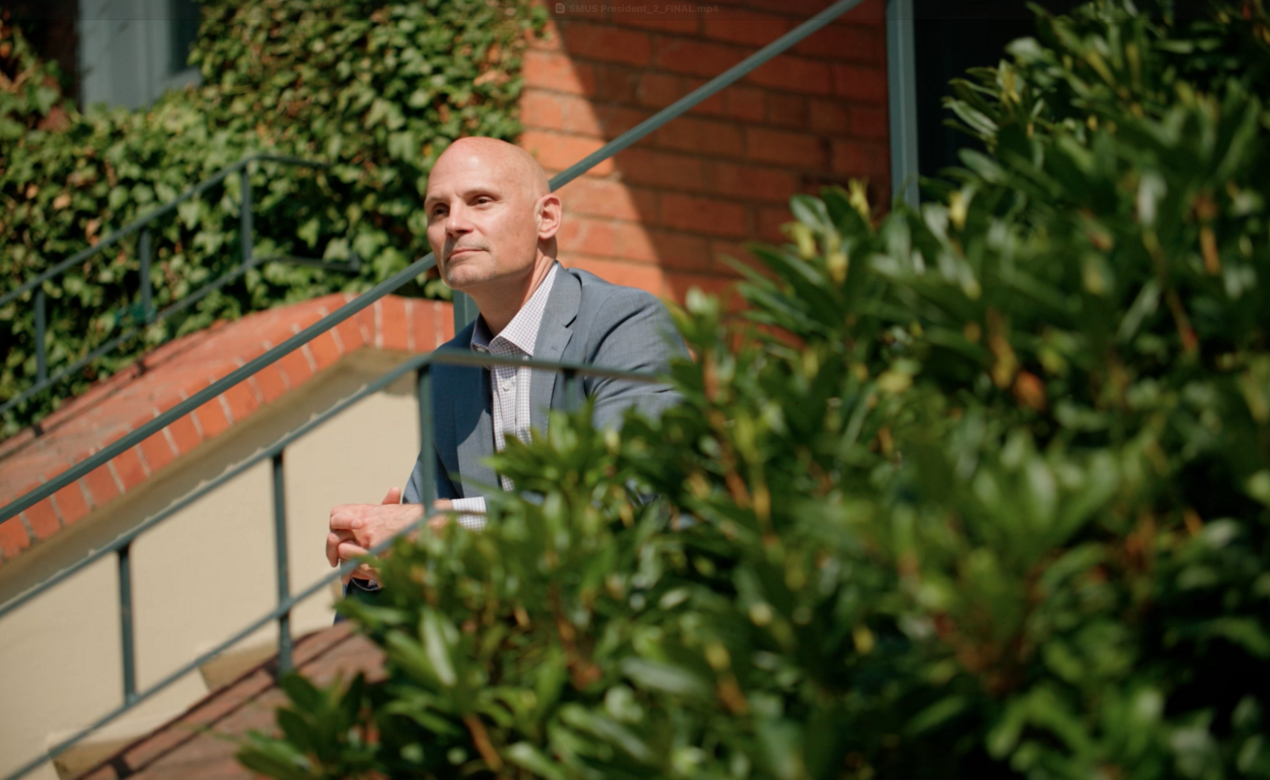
(660, 214)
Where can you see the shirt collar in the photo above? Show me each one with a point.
(522, 331)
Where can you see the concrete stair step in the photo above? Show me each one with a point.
(220, 672)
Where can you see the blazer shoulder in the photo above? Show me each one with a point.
(603, 297)
(613, 317)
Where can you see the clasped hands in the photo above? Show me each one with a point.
(357, 528)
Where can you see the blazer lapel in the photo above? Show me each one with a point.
(463, 424)
(553, 336)
(474, 431)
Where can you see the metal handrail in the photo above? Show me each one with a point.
(148, 316)
(422, 364)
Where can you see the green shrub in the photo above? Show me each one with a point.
(982, 491)
(376, 89)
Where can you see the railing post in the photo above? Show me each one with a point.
(901, 90)
(125, 624)
(427, 461)
(570, 390)
(41, 359)
(465, 311)
(280, 547)
(245, 226)
(147, 312)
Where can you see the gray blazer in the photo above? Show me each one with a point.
(587, 320)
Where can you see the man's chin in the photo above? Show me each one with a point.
(463, 279)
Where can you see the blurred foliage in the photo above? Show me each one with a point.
(974, 490)
(377, 89)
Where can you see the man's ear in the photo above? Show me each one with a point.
(549, 215)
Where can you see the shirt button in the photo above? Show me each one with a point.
(507, 385)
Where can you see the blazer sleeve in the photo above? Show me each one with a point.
(413, 493)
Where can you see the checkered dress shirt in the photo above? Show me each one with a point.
(509, 385)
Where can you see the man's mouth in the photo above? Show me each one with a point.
(454, 253)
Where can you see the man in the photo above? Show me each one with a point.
(492, 225)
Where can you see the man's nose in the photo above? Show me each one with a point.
(456, 223)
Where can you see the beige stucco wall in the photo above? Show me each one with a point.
(204, 573)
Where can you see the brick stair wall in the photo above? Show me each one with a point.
(173, 373)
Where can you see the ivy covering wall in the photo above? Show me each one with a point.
(1001, 507)
(377, 89)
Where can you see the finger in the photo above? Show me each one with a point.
(442, 505)
(362, 572)
(345, 521)
(332, 549)
(393, 497)
(349, 550)
(333, 540)
(439, 522)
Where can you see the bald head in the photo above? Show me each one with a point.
(508, 161)
(492, 223)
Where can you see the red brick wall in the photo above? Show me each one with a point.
(658, 216)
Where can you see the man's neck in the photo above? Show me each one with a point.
(499, 305)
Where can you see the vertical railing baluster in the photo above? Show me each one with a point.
(41, 324)
(427, 461)
(464, 310)
(146, 307)
(901, 79)
(245, 226)
(280, 547)
(125, 624)
(570, 389)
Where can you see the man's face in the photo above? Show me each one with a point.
(482, 219)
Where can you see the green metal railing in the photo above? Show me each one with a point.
(901, 92)
(422, 365)
(142, 313)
